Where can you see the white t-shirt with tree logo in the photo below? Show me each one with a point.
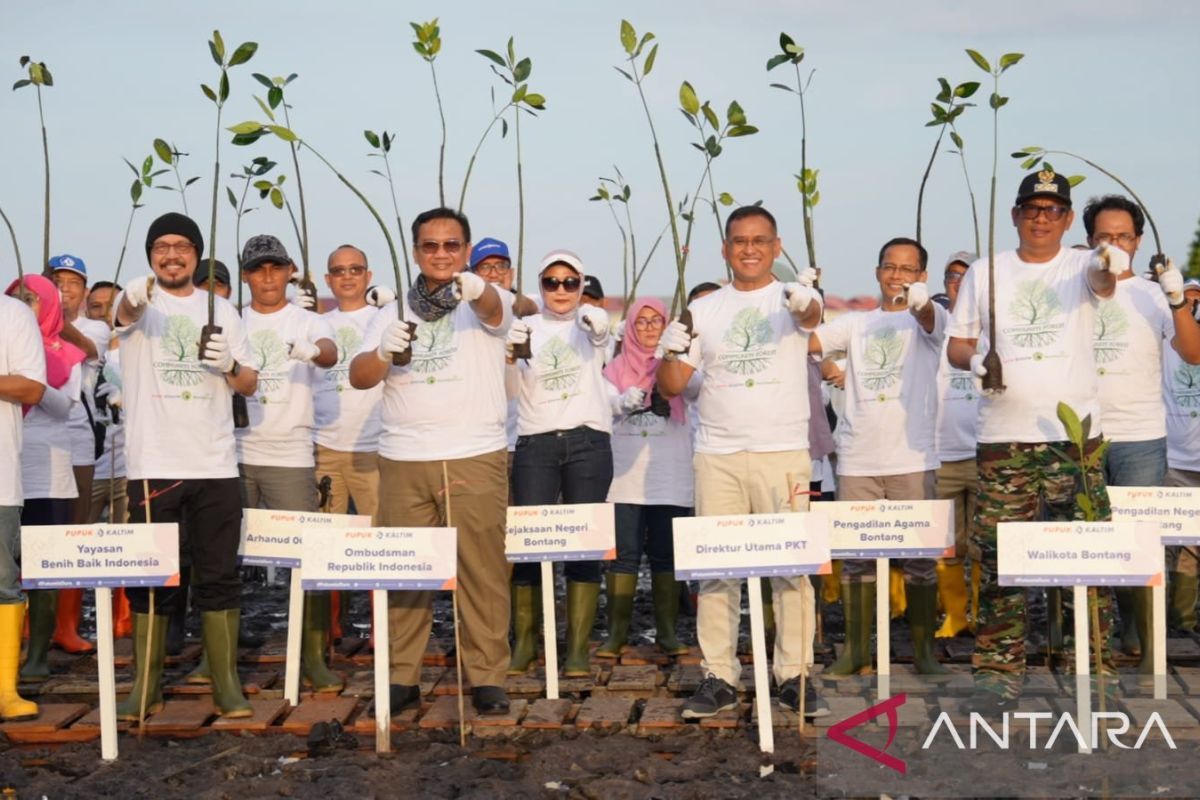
(347, 418)
(280, 433)
(1132, 329)
(1045, 315)
(1181, 394)
(754, 397)
(891, 390)
(652, 459)
(958, 411)
(178, 412)
(449, 401)
(83, 439)
(21, 354)
(562, 385)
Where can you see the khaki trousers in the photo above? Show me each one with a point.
(753, 483)
(413, 496)
(907, 486)
(959, 481)
(99, 501)
(351, 475)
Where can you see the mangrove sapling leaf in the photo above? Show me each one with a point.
(169, 154)
(39, 76)
(275, 100)
(383, 144)
(945, 111)
(142, 179)
(257, 168)
(427, 45)
(791, 53)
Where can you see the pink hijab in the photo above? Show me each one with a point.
(61, 355)
(636, 365)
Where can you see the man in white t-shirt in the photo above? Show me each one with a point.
(885, 438)
(1131, 329)
(22, 382)
(442, 452)
(180, 453)
(1181, 393)
(750, 339)
(1045, 307)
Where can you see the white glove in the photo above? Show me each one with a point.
(217, 356)
(137, 291)
(468, 286)
(1108, 257)
(619, 331)
(303, 351)
(380, 296)
(918, 296)
(306, 299)
(977, 366)
(111, 392)
(1170, 280)
(808, 277)
(395, 339)
(518, 333)
(675, 340)
(592, 319)
(631, 399)
(797, 296)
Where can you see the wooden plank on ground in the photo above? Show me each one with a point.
(189, 653)
(509, 719)
(529, 683)
(310, 712)
(644, 654)
(51, 717)
(546, 714)
(265, 714)
(730, 718)
(840, 708)
(660, 715)
(444, 713)
(180, 717)
(403, 721)
(448, 684)
(634, 679)
(92, 720)
(606, 713)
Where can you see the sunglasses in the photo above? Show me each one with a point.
(570, 284)
(430, 247)
(1052, 213)
(355, 270)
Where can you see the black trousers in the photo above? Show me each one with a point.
(209, 514)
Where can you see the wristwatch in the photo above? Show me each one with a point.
(235, 369)
(1176, 306)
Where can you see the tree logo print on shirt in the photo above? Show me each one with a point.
(1108, 343)
(270, 359)
(1186, 386)
(433, 346)
(747, 341)
(348, 341)
(557, 367)
(883, 357)
(1036, 309)
(178, 346)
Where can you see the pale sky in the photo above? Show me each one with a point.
(1115, 82)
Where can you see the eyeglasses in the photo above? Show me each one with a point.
(183, 248)
(355, 270)
(452, 247)
(954, 277)
(758, 242)
(649, 323)
(1053, 213)
(494, 267)
(1119, 239)
(552, 284)
(907, 272)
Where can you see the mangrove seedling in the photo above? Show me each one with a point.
(428, 44)
(616, 190)
(806, 178)
(257, 168)
(383, 148)
(39, 76)
(946, 109)
(143, 179)
(169, 154)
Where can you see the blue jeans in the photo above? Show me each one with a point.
(10, 555)
(1136, 463)
(649, 530)
(574, 465)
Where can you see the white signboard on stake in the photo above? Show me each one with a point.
(866, 529)
(403, 559)
(752, 546)
(579, 532)
(275, 538)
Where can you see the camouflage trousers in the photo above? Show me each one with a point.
(1021, 482)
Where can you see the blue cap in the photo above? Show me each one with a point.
(69, 263)
(489, 248)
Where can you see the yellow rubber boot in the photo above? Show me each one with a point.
(976, 577)
(897, 600)
(952, 586)
(831, 584)
(12, 706)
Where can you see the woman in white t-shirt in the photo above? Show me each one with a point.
(652, 481)
(564, 427)
(46, 473)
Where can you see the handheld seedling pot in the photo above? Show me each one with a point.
(404, 357)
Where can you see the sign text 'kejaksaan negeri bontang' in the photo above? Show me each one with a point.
(580, 531)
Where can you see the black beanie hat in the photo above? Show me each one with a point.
(179, 225)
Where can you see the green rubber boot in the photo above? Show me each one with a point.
(43, 607)
(581, 615)
(859, 602)
(922, 622)
(219, 631)
(620, 587)
(526, 619)
(201, 675)
(1131, 643)
(147, 666)
(1184, 593)
(666, 611)
(314, 642)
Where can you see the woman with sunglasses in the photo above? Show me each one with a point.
(563, 451)
(652, 481)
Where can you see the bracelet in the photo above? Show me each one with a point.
(1182, 304)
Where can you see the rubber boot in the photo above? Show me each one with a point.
(151, 675)
(1182, 611)
(219, 630)
(665, 589)
(859, 602)
(13, 707)
(897, 601)
(922, 616)
(526, 614)
(620, 587)
(581, 615)
(1143, 617)
(952, 588)
(66, 623)
(201, 675)
(1131, 644)
(1054, 622)
(831, 584)
(768, 605)
(313, 644)
(42, 603)
(122, 616)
